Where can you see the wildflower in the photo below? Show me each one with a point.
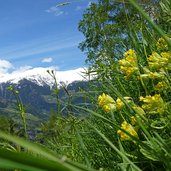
(133, 120)
(128, 65)
(129, 128)
(130, 53)
(153, 75)
(109, 107)
(156, 75)
(162, 44)
(138, 110)
(157, 61)
(105, 99)
(120, 104)
(167, 56)
(160, 86)
(153, 104)
(106, 102)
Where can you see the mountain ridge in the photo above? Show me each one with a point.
(41, 77)
(36, 91)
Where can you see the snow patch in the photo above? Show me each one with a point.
(41, 77)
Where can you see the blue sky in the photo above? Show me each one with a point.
(36, 33)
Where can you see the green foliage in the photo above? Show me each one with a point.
(110, 28)
(4, 123)
(20, 107)
(142, 36)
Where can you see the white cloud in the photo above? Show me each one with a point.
(47, 60)
(5, 66)
(56, 11)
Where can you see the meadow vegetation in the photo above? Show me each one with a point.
(125, 121)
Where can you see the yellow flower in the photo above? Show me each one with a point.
(160, 86)
(166, 55)
(120, 104)
(106, 102)
(109, 107)
(156, 75)
(130, 53)
(105, 99)
(162, 44)
(123, 62)
(106, 108)
(128, 65)
(153, 104)
(133, 120)
(128, 128)
(158, 61)
(153, 75)
(139, 110)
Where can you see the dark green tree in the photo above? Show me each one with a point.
(111, 27)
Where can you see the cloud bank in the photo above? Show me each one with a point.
(5, 66)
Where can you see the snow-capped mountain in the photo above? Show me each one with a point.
(36, 86)
(41, 77)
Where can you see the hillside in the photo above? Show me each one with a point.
(36, 92)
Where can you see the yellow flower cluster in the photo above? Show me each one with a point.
(109, 104)
(106, 102)
(162, 44)
(153, 75)
(156, 75)
(128, 128)
(157, 61)
(128, 65)
(159, 64)
(160, 86)
(153, 104)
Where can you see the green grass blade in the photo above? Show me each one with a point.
(156, 27)
(59, 164)
(8, 164)
(117, 150)
(29, 160)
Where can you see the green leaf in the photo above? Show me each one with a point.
(148, 154)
